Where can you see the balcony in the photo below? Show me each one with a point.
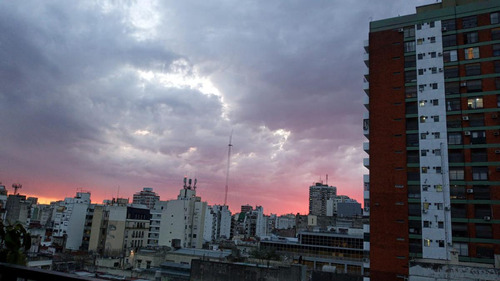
(366, 147)
(366, 86)
(366, 45)
(366, 162)
(366, 59)
(366, 102)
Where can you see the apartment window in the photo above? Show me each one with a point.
(469, 22)
(427, 242)
(434, 71)
(484, 231)
(485, 252)
(452, 104)
(457, 173)
(478, 137)
(436, 119)
(422, 119)
(451, 72)
(479, 173)
(411, 108)
(495, 34)
(409, 46)
(474, 86)
(471, 53)
(427, 224)
(449, 40)
(479, 155)
(432, 39)
(475, 103)
(412, 140)
(497, 83)
(410, 61)
(410, 76)
(440, 224)
(433, 54)
(423, 136)
(424, 170)
(482, 192)
(458, 210)
(449, 56)
(411, 92)
(457, 192)
(459, 229)
(473, 69)
(411, 124)
(435, 102)
(496, 50)
(476, 120)
(437, 152)
(497, 66)
(409, 32)
(471, 37)
(452, 88)
(439, 187)
(494, 18)
(448, 25)
(420, 41)
(421, 71)
(481, 211)
(420, 56)
(455, 156)
(454, 138)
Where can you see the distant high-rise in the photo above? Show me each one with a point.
(146, 197)
(319, 194)
(433, 89)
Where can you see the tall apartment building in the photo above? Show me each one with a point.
(146, 197)
(319, 196)
(433, 95)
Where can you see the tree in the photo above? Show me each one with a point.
(15, 241)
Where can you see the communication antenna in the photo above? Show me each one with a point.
(228, 164)
(16, 186)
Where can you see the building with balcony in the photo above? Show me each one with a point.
(434, 137)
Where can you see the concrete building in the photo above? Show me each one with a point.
(217, 223)
(69, 220)
(339, 247)
(182, 221)
(285, 221)
(433, 86)
(154, 226)
(319, 194)
(18, 210)
(146, 197)
(3, 201)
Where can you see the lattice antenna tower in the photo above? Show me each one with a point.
(228, 165)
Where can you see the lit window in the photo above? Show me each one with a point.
(422, 103)
(426, 205)
(420, 41)
(474, 103)
(471, 53)
(439, 187)
(422, 119)
(424, 170)
(427, 242)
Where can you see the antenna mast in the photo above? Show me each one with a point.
(228, 164)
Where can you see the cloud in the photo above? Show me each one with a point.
(118, 95)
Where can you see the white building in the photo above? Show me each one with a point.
(182, 221)
(217, 223)
(69, 219)
(319, 194)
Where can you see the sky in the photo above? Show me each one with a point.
(113, 96)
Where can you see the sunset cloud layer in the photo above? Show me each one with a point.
(114, 96)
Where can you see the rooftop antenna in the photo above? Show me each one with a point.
(326, 179)
(228, 164)
(16, 186)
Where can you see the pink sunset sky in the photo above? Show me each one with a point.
(111, 97)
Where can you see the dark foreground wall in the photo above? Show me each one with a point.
(219, 271)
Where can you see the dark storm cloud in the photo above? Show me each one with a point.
(103, 94)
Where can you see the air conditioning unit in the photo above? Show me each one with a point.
(447, 208)
(470, 190)
(467, 133)
(440, 54)
(440, 70)
(465, 118)
(487, 218)
(401, 30)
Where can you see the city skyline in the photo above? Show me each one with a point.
(112, 97)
